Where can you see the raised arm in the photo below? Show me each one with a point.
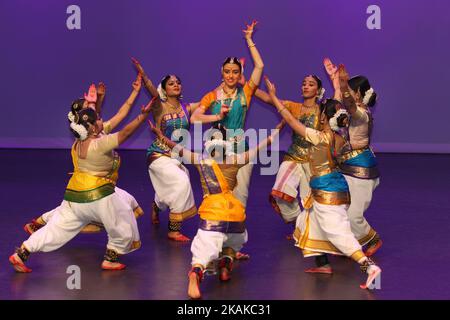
(126, 106)
(147, 82)
(347, 99)
(257, 60)
(296, 125)
(130, 128)
(332, 72)
(101, 91)
(250, 154)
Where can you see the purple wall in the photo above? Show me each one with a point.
(44, 66)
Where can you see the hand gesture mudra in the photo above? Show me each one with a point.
(101, 89)
(91, 97)
(148, 107)
(154, 129)
(270, 86)
(330, 68)
(250, 28)
(343, 76)
(138, 66)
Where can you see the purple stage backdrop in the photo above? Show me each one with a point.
(403, 49)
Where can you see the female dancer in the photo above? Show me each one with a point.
(222, 228)
(169, 177)
(358, 163)
(325, 227)
(228, 105)
(294, 172)
(90, 194)
(108, 126)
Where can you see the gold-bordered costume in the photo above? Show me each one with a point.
(91, 197)
(294, 173)
(169, 177)
(325, 227)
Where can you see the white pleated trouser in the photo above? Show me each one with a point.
(172, 185)
(70, 217)
(207, 245)
(361, 191)
(292, 179)
(124, 195)
(328, 229)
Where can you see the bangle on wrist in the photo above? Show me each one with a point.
(252, 44)
(346, 94)
(281, 110)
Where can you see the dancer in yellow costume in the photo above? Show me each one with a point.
(222, 215)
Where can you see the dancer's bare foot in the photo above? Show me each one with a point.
(194, 286)
(33, 226)
(108, 265)
(326, 269)
(18, 264)
(177, 236)
(242, 256)
(225, 267)
(155, 213)
(373, 246)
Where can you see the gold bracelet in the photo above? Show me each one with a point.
(346, 94)
(252, 45)
(280, 111)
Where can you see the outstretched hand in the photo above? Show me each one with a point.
(224, 111)
(154, 129)
(330, 68)
(270, 86)
(343, 76)
(137, 84)
(91, 97)
(147, 108)
(138, 66)
(101, 89)
(281, 125)
(250, 28)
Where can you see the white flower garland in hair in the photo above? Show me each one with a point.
(228, 146)
(333, 121)
(162, 93)
(320, 94)
(81, 130)
(71, 116)
(367, 96)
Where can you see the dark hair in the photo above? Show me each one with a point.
(232, 60)
(166, 78)
(329, 107)
(362, 84)
(84, 117)
(77, 105)
(223, 130)
(319, 82)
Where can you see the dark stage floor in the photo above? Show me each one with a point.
(411, 211)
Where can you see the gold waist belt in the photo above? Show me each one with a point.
(359, 172)
(352, 154)
(331, 198)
